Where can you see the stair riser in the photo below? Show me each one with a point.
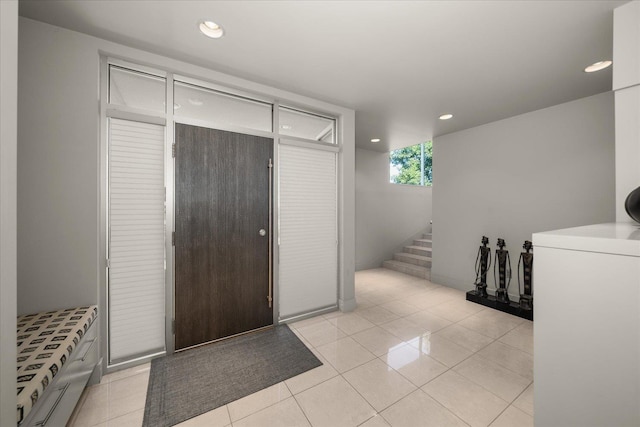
(409, 260)
(416, 251)
(408, 270)
(427, 236)
(422, 243)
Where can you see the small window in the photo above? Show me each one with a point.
(412, 165)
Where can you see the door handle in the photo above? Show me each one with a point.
(262, 232)
(270, 243)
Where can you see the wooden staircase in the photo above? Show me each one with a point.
(414, 260)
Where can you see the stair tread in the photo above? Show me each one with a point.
(414, 256)
(407, 265)
(422, 248)
(423, 240)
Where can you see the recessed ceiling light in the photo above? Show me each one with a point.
(445, 116)
(600, 65)
(375, 140)
(195, 101)
(285, 127)
(211, 29)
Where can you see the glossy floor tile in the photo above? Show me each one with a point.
(378, 341)
(345, 354)
(378, 384)
(413, 353)
(257, 401)
(472, 403)
(500, 381)
(217, 418)
(509, 357)
(414, 365)
(464, 337)
(351, 323)
(378, 314)
(420, 409)
(334, 403)
(441, 349)
(285, 413)
(524, 402)
(513, 417)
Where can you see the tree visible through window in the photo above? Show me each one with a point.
(412, 165)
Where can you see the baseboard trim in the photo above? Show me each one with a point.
(347, 305)
(450, 282)
(96, 375)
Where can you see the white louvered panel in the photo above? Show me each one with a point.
(136, 239)
(308, 230)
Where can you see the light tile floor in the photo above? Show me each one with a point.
(412, 354)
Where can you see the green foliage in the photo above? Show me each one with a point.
(406, 161)
(428, 163)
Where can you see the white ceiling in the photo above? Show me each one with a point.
(399, 64)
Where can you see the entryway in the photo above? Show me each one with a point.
(223, 232)
(234, 234)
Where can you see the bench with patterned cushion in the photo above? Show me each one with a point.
(46, 345)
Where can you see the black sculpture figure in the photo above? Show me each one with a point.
(526, 259)
(503, 262)
(632, 204)
(483, 262)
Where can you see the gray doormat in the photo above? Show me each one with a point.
(190, 383)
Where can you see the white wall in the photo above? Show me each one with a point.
(626, 45)
(626, 84)
(388, 215)
(59, 261)
(545, 170)
(8, 162)
(57, 170)
(347, 213)
(627, 125)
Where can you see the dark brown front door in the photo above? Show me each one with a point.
(221, 255)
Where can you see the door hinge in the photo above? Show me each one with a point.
(173, 238)
(108, 263)
(173, 150)
(270, 163)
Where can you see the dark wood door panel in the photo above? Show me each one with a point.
(222, 262)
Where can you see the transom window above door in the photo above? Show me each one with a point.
(305, 125)
(221, 109)
(136, 90)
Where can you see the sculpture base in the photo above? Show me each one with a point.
(526, 302)
(501, 296)
(481, 289)
(490, 301)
